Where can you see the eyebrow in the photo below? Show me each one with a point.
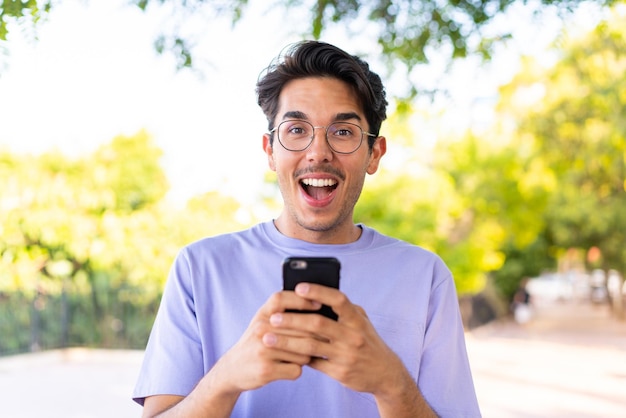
(296, 114)
(347, 116)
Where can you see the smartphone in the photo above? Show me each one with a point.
(320, 270)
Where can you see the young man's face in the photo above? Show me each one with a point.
(313, 213)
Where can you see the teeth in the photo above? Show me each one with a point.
(319, 182)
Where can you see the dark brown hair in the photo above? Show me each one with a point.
(319, 59)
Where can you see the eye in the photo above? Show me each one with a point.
(294, 129)
(343, 130)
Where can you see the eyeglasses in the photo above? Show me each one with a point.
(342, 137)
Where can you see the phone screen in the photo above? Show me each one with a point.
(320, 270)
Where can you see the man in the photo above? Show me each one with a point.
(224, 344)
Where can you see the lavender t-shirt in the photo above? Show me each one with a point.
(217, 284)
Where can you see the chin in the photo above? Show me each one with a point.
(315, 224)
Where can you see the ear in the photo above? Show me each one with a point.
(269, 151)
(378, 150)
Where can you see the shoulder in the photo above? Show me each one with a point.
(380, 241)
(227, 242)
(396, 254)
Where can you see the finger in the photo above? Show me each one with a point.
(286, 299)
(288, 370)
(281, 349)
(332, 297)
(306, 326)
(279, 370)
(321, 364)
(298, 347)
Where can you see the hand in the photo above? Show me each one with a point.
(256, 349)
(251, 363)
(348, 350)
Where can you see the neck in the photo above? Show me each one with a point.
(344, 234)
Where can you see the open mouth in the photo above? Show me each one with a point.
(318, 189)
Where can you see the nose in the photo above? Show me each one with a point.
(319, 150)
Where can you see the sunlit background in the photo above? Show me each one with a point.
(112, 158)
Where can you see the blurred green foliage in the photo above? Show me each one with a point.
(547, 176)
(86, 244)
(572, 124)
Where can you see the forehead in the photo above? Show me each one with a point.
(318, 97)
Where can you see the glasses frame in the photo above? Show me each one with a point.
(275, 129)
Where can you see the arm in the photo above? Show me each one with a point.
(403, 397)
(217, 392)
(351, 352)
(208, 399)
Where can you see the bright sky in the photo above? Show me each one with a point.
(93, 74)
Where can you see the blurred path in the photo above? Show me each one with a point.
(73, 383)
(568, 361)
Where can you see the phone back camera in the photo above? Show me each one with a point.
(298, 264)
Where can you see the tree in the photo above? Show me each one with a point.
(54, 226)
(570, 119)
(502, 193)
(30, 10)
(87, 243)
(459, 200)
(129, 167)
(407, 31)
(75, 227)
